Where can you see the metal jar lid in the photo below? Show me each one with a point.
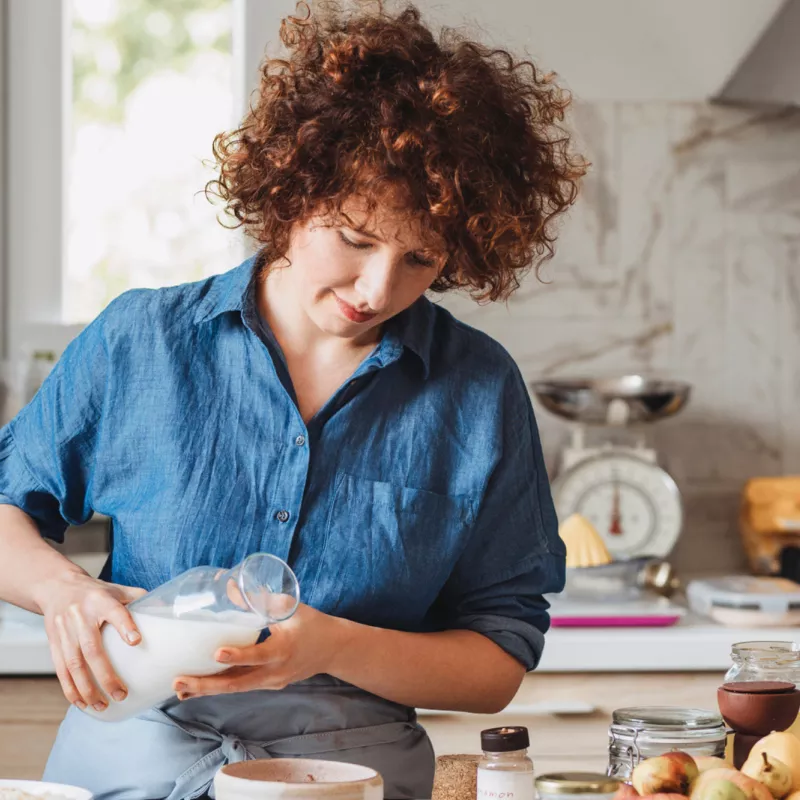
(667, 718)
(505, 740)
(576, 783)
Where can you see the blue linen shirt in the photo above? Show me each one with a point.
(416, 499)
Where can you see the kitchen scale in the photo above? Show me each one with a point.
(616, 481)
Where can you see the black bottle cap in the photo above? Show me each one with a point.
(505, 740)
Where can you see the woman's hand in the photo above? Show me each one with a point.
(75, 606)
(303, 646)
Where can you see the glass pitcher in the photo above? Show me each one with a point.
(186, 620)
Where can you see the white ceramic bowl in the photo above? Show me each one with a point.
(43, 789)
(293, 778)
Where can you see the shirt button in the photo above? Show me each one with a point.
(282, 516)
(300, 441)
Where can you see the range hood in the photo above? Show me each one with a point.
(631, 51)
(770, 72)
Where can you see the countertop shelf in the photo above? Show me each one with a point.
(692, 645)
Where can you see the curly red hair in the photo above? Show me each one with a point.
(470, 136)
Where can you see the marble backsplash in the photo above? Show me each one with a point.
(681, 259)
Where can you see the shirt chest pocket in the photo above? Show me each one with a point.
(389, 549)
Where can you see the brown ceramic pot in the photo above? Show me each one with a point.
(758, 713)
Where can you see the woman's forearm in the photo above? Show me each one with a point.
(27, 562)
(455, 670)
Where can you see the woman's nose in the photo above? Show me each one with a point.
(375, 284)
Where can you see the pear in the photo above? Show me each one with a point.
(719, 789)
(784, 747)
(625, 792)
(662, 775)
(770, 771)
(751, 787)
(664, 796)
(688, 764)
(705, 763)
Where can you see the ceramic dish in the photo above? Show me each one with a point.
(295, 778)
(43, 790)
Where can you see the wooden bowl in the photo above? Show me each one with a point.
(758, 713)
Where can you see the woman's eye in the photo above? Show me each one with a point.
(354, 245)
(421, 261)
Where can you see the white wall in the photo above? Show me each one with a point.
(682, 256)
(259, 23)
(681, 259)
(624, 50)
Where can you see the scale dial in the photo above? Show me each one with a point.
(634, 505)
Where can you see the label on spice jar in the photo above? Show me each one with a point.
(495, 784)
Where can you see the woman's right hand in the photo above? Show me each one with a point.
(75, 607)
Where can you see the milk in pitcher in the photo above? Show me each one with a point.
(170, 647)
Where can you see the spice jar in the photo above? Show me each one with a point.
(639, 733)
(579, 785)
(505, 770)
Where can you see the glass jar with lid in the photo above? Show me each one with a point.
(764, 661)
(644, 732)
(770, 664)
(505, 770)
(577, 785)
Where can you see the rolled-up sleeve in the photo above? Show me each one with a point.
(47, 452)
(514, 554)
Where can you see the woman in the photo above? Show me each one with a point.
(313, 404)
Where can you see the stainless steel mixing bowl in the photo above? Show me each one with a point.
(622, 579)
(625, 400)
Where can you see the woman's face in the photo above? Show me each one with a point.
(351, 274)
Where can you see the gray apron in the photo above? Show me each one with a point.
(173, 751)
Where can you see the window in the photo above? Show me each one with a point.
(112, 106)
(152, 83)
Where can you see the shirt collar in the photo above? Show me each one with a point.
(226, 292)
(411, 329)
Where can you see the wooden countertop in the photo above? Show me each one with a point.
(31, 709)
(567, 715)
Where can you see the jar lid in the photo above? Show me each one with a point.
(504, 740)
(759, 687)
(667, 718)
(576, 783)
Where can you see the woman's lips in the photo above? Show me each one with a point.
(351, 312)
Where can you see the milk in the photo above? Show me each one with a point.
(170, 647)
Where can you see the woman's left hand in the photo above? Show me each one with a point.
(303, 646)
